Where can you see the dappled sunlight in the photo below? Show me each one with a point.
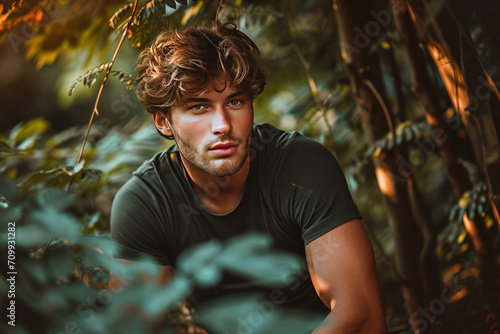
(386, 183)
(452, 77)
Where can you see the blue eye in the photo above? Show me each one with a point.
(234, 103)
(197, 107)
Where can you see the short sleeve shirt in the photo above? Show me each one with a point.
(295, 192)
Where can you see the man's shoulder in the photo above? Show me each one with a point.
(149, 166)
(145, 179)
(273, 140)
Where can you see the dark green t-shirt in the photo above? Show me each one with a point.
(295, 193)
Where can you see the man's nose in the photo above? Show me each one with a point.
(221, 121)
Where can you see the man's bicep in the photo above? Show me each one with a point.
(342, 269)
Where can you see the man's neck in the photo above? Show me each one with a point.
(219, 194)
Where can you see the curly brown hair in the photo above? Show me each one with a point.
(181, 62)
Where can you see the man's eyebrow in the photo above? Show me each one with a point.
(203, 99)
(238, 93)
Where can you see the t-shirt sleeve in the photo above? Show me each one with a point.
(314, 189)
(136, 225)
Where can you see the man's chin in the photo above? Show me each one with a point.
(226, 170)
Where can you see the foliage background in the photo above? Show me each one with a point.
(63, 239)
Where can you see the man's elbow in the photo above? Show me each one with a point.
(366, 318)
(370, 321)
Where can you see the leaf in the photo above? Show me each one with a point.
(256, 315)
(144, 13)
(28, 143)
(167, 297)
(119, 15)
(4, 146)
(125, 77)
(31, 236)
(61, 262)
(171, 3)
(208, 276)
(90, 77)
(472, 211)
(57, 198)
(408, 134)
(193, 11)
(251, 256)
(199, 256)
(93, 174)
(9, 190)
(454, 213)
(399, 138)
(31, 128)
(53, 177)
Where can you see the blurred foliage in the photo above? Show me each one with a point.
(64, 253)
(63, 248)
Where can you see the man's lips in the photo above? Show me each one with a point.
(223, 149)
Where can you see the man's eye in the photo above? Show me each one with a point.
(235, 103)
(197, 107)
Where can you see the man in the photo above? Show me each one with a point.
(226, 176)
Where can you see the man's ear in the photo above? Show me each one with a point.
(162, 123)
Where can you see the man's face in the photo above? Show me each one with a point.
(213, 130)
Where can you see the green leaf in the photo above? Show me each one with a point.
(256, 315)
(93, 174)
(9, 190)
(167, 297)
(119, 15)
(251, 255)
(208, 276)
(399, 138)
(472, 211)
(4, 146)
(408, 134)
(31, 128)
(54, 177)
(89, 77)
(160, 6)
(31, 236)
(28, 143)
(192, 260)
(454, 213)
(125, 78)
(57, 198)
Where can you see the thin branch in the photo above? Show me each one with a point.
(312, 83)
(95, 111)
(387, 115)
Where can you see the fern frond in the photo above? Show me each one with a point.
(90, 77)
(119, 15)
(126, 78)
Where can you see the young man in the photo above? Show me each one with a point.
(226, 176)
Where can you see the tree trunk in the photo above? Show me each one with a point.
(463, 76)
(365, 75)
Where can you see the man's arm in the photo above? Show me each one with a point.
(342, 269)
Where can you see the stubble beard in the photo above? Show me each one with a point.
(225, 168)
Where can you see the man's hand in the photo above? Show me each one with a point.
(342, 269)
